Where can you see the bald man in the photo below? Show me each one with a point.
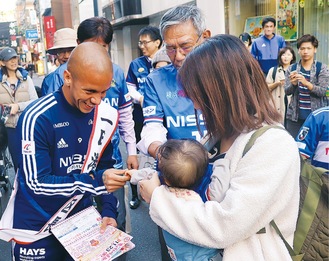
(66, 152)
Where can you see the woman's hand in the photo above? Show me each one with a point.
(146, 187)
(114, 179)
(108, 221)
(14, 108)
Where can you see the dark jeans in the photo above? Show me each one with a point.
(14, 146)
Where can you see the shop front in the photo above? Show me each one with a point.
(294, 19)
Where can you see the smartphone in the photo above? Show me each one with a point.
(5, 114)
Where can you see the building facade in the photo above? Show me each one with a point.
(294, 19)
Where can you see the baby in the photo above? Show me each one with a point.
(183, 166)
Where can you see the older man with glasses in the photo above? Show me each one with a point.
(64, 43)
(149, 43)
(168, 113)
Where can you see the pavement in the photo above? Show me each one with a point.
(143, 229)
(37, 79)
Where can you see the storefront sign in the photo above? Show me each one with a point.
(31, 34)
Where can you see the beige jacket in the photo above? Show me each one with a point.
(278, 93)
(24, 95)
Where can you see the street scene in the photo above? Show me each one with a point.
(181, 130)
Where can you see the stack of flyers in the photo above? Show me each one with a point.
(81, 237)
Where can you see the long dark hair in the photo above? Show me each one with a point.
(4, 70)
(227, 84)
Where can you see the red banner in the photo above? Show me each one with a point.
(50, 29)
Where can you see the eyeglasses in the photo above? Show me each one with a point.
(64, 51)
(185, 49)
(144, 43)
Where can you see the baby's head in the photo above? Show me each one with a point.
(182, 163)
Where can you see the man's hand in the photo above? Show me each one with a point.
(301, 78)
(132, 162)
(108, 221)
(146, 187)
(114, 179)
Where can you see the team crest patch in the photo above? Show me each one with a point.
(303, 133)
(141, 69)
(28, 147)
(127, 97)
(113, 83)
(171, 253)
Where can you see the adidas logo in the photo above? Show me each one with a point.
(62, 144)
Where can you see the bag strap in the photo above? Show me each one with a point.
(275, 68)
(318, 69)
(257, 134)
(294, 67)
(293, 255)
(248, 146)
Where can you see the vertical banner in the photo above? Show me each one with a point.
(13, 34)
(50, 29)
(287, 19)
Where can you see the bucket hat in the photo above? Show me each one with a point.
(63, 38)
(7, 53)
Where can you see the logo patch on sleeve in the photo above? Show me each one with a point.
(127, 97)
(28, 147)
(150, 110)
(303, 133)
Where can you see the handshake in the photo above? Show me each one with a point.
(114, 179)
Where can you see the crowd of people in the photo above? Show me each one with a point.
(66, 143)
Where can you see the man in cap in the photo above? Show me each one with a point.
(64, 43)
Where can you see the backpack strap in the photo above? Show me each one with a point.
(294, 67)
(275, 68)
(318, 69)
